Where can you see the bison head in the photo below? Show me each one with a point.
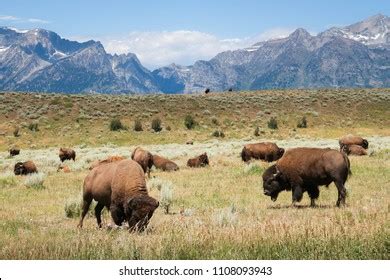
(365, 144)
(19, 168)
(280, 153)
(273, 182)
(204, 160)
(140, 210)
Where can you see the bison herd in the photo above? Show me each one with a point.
(119, 184)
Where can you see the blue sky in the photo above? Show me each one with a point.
(157, 24)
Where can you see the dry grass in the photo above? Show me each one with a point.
(217, 212)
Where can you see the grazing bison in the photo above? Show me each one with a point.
(304, 169)
(120, 186)
(266, 151)
(354, 150)
(190, 142)
(144, 158)
(164, 164)
(107, 160)
(207, 90)
(24, 168)
(353, 140)
(199, 161)
(67, 154)
(14, 152)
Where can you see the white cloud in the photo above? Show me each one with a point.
(8, 18)
(156, 49)
(37, 20)
(21, 20)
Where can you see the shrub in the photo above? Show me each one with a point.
(214, 120)
(189, 122)
(302, 123)
(8, 180)
(33, 127)
(169, 128)
(138, 125)
(273, 123)
(35, 180)
(73, 207)
(226, 217)
(16, 132)
(166, 195)
(218, 133)
(156, 124)
(253, 169)
(257, 131)
(116, 125)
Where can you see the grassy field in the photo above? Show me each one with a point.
(68, 120)
(218, 212)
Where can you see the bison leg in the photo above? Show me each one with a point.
(86, 203)
(297, 194)
(117, 214)
(342, 193)
(314, 193)
(98, 211)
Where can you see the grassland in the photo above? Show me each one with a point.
(218, 212)
(68, 120)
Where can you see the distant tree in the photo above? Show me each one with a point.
(189, 122)
(257, 131)
(116, 125)
(207, 90)
(302, 123)
(137, 125)
(273, 123)
(16, 132)
(230, 89)
(156, 124)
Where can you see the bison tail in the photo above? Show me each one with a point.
(347, 162)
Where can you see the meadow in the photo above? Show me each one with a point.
(217, 212)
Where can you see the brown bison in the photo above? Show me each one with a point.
(107, 160)
(120, 186)
(199, 161)
(24, 168)
(63, 168)
(67, 154)
(144, 158)
(304, 169)
(164, 164)
(266, 151)
(354, 150)
(353, 140)
(14, 152)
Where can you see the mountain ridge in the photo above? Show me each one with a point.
(357, 55)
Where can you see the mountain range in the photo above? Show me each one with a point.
(357, 55)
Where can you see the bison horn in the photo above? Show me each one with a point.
(277, 172)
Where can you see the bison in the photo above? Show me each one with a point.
(354, 150)
(24, 168)
(67, 154)
(164, 164)
(266, 151)
(14, 152)
(144, 158)
(305, 169)
(199, 161)
(353, 140)
(120, 186)
(107, 160)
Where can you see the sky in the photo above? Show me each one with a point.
(181, 32)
